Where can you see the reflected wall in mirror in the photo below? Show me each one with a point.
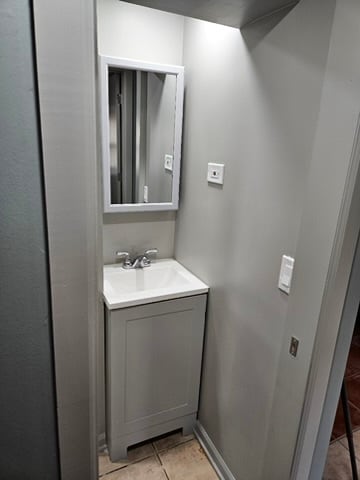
(141, 134)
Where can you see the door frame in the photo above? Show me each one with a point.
(334, 333)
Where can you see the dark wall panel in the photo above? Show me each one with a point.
(28, 440)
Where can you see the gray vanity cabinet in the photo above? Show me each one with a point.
(153, 365)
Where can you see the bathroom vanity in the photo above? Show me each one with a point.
(154, 316)
(154, 340)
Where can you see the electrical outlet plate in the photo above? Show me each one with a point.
(215, 173)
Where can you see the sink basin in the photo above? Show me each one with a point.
(163, 280)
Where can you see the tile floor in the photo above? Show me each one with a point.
(338, 465)
(170, 457)
(352, 380)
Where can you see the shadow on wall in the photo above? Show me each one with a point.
(253, 12)
(280, 85)
(231, 395)
(254, 32)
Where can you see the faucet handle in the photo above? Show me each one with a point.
(151, 251)
(146, 262)
(125, 256)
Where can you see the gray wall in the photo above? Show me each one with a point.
(139, 33)
(28, 444)
(65, 45)
(325, 247)
(160, 134)
(252, 102)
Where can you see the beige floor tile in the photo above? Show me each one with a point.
(171, 440)
(356, 436)
(148, 469)
(338, 465)
(187, 462)
(344, 442)
(135, 454)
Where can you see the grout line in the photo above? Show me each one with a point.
(173, 446)
(155, 453)
(116, 469)
(128, 465)
(354, 406)
(345, 444)
(354, 376)
(158, 457)
(161, 463)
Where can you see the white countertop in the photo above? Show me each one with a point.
(165, 279)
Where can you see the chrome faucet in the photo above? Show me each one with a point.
(140, 261)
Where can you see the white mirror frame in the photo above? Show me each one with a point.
(105, 63)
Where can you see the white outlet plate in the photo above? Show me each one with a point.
(146, 194)
(286, 273)
(215, 173)
(168, 162)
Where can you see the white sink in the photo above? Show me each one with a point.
(163, 280)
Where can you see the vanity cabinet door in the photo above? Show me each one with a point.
(154, 357)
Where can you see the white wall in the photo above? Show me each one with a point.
(252, 101)
(140, 33)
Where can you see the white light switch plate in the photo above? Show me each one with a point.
(286, 273)
(215, 173)
(168, 163)
(146, 194)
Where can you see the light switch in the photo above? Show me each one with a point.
(286, 273)
(168, 163)
(215, 173)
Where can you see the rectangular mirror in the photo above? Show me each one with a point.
(141, 108)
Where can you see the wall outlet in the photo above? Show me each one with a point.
(215, 173)
(146, 194)
(168, 163)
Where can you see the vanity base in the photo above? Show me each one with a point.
(118, 446)
(153, 364)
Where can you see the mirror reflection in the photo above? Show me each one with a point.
(141, 135)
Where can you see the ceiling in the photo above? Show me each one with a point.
(234, 13)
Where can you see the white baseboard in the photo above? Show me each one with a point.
(212, 453)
